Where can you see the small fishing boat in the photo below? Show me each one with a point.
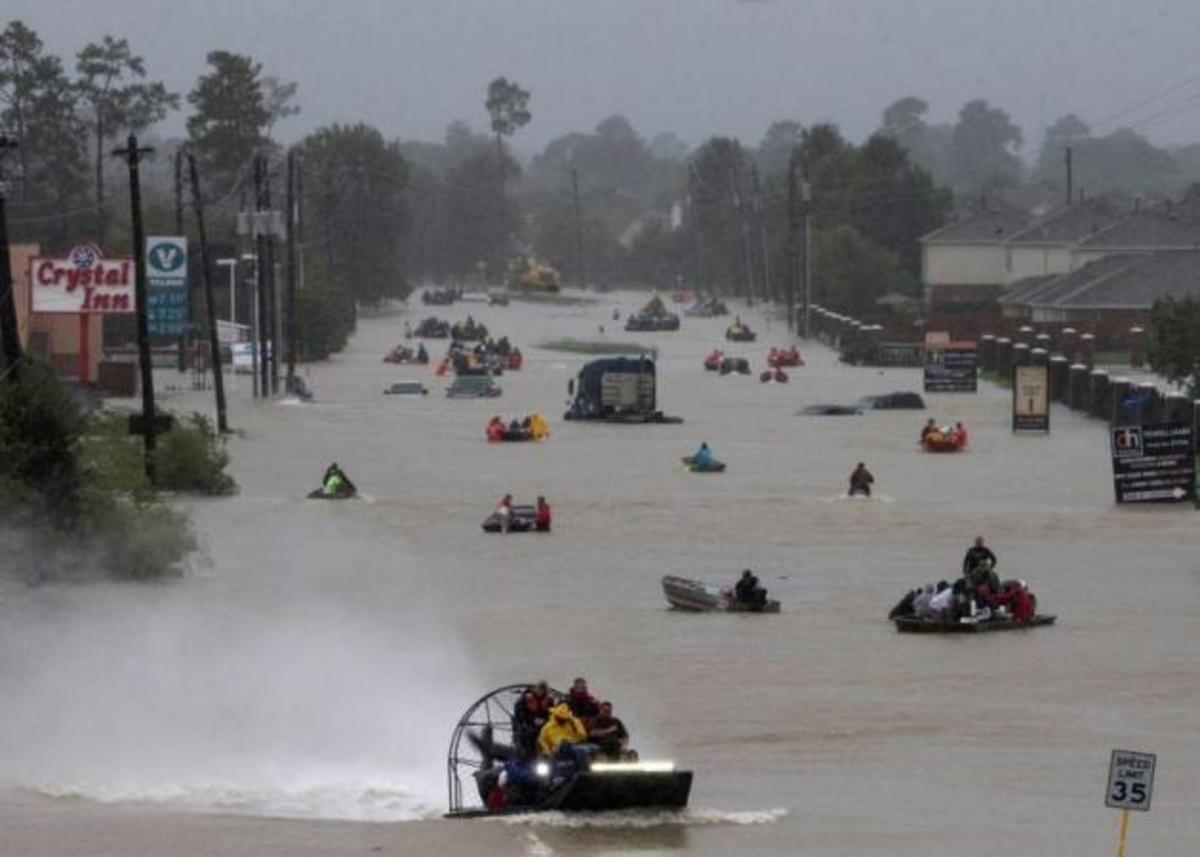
(913, 625)
(700, 597)
(713, 466)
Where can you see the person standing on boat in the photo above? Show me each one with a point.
(975, 557)
(861, 481)
(541, 515)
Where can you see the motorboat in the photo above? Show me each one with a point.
(700, 597)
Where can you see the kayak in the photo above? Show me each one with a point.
(700, 597)
(713, 467)
(912, 625)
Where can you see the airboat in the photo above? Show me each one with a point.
(482, 745)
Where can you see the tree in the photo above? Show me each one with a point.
(355, 183)
(508, 105)
(1173, 347)
(40, 110)
(666, 146)
(775, 151)
(277, 98)
(717, 212)
(231, 115)
(1062, 133)
(109, 84)
(983, 150)
(476, 220)
(851, 272)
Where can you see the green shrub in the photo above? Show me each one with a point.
(191, 458)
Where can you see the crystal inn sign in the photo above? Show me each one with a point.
(84, 283)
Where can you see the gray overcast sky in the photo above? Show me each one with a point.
(695, 67)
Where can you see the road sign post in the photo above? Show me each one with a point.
(1130, 786)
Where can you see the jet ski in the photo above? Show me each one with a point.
(713, 466)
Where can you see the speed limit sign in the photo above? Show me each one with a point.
(1130, 780)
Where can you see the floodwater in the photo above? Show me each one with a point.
(296, 692)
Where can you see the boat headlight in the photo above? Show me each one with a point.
(632, 767)
(542, 769)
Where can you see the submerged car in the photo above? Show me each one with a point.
(473, 387)
(897, 401)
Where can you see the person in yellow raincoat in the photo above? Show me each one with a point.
(563, 727)
(538, 427)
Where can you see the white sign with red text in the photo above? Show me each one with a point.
(82, 283)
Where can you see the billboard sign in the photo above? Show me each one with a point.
(1153, 463)
(83, 282)
(950, 367)
(1031, 398)
(166, 276)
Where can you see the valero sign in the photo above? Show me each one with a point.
(82, 283)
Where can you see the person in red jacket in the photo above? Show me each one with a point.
(1021, 603)
(495, 429)
(541, 516)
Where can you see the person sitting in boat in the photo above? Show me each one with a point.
(422, 354)
(541, 515)
(335, 482)
(528, 718)
(1017, 600)
(945, 603)
(703, 456)
(539, 429)
(561, 728)
(580, 700)
(959, 434)
(929, 428)
(748, 591)
(976, 555)
(861, 481)
(495, 430)
(608, 733)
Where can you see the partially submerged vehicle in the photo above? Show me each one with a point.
(472, 387)
(896, 401)
(618, 390)
(700, 597)
(481, 749)
(707, 308)
(406, 388)
(713, 466)
(439, 297)
(830, 411)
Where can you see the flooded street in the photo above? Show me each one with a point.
(312, 666)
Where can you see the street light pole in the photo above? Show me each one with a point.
(231, 264)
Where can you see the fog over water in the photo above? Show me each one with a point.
(314, 662)
(694, 67)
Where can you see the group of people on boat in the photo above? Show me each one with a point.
(404, 354)
(935, 436)
(506, 516)
(778, 357)
(533, 427)
(553, 739)
(978, 596)
(431, 328)
(469, 329)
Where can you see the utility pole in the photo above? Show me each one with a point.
(793, 233)
(214, 342)
(272, 320)
(578, 226)
(735, 189)
(1070, 178)
(260, 279)
(9, 332)
(806, 232)
(132, 156)
(761, 221)
(183, 338)
(289, 310)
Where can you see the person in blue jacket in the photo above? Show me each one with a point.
(703, 456)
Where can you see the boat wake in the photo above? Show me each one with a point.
(858, 498)
(378, 799)
(640, 819)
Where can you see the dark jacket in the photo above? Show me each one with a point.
(975, 556)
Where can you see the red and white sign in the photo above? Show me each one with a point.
(83, 283)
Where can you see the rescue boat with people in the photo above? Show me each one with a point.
(943, 442)
(778, 358)
(969, 607)
(700, 597)
(482, 767)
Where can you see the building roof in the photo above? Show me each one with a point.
(1154, 227)
(1069, 223)
(1120, 281)
(986, 225)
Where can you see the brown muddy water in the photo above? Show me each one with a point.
(295, 693)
